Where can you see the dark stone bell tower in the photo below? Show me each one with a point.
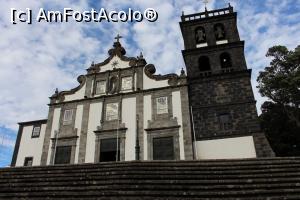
(220, 91)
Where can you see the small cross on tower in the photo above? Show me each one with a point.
(118, 37)
(205, 2)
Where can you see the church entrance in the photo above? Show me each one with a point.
(63, 155)
(109, 151)
(163, 148)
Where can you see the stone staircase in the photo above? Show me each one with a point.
(263, 178)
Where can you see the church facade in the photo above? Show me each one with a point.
(122, 110)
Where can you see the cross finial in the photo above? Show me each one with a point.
(118, 37)
(205, 2)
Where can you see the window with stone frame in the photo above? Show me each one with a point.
(225, 121)
(36, 131)
(100, 87)
(68, 116)
(163, 148)
(126, 83)
(161, 105)
(28, 161)
(109, 150)
(112, 111)
(63, 155)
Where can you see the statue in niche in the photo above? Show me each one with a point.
(219, 32)
(200, 35)
(113, 84)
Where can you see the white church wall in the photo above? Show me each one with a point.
(55, 127)
(94, 121)
(121, 64)
(78, 119)
(149, 83)
(176, 100)
(129, 118)
(229, 148)
(77, 95)
(147, 116)
(31, 147)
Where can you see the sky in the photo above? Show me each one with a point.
(39, 57)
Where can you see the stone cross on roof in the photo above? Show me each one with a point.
(118, 37)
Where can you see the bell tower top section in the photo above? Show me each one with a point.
(209, 28)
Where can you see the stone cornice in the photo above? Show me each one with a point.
(120, 94)
(41, 121)
(61, 95)
(213, 48)
(162, 128)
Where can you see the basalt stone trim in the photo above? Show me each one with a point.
(34, 122)
(125, 95)
(83, 132)
(88, 88)
(140, 113)
(64, 141)
(120, 134)
(262, 146)
(47, 136)
(172, 132)
(164, 116)
(186, 124)
(117, 50)
(65, 130)
(17, 145)
(173, 79)
(61, 95)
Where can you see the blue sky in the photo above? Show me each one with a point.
(36, 59)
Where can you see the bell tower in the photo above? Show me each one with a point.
(223, 107)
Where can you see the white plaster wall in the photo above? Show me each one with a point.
(31, 147)
(78, 119)
(129, 118)
(94, 121)
(77, 95)
(55, 126)
(230, 148)
(121, 64)
(149, 83)
(147, 116)
(176, 101)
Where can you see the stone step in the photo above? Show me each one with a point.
(131, 185)
(146, 168)
(153, 175)
(83, 193)
(150, 187)
(62, 182)
(275, 178)
(207, 163)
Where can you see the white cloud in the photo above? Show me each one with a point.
(6, 142)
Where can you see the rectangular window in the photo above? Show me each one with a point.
(36, 131)
(109, 151)
(126, 83)
(163, 148)
(68, 115)
(112, 111)
(100, 87)
(225, 122)
(63, 155)
(162, 105)
(28, 161)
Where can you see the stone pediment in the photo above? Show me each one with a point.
(116, 59)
